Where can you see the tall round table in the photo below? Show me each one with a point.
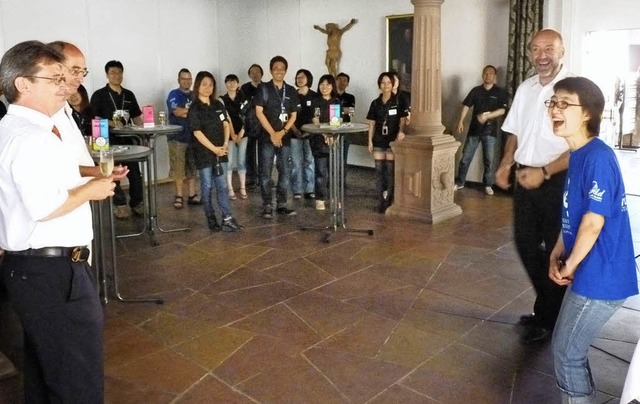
(147, 136)
(336, 174)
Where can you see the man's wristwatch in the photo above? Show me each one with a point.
(546, 174)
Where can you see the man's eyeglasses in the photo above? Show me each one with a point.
(560, 104)
(78, 72)
(57, 80)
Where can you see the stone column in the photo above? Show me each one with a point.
(425, 159)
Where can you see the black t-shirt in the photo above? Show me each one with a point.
(208, 119)
(249, 90)
(347, 101)
(236, 110)
(279, 101)
(319, 147)
(483, 100)
(307, 107)
(386, 114)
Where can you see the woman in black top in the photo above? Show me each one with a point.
(81, 110)
(320, 143)
(235, 103)
(386, 118)
(208, 122)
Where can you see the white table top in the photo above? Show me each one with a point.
(350, 127)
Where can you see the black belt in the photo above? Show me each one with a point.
(519, 166)
(75, 254)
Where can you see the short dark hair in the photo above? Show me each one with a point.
(308, 75)
(382, 75)
(342, 74)
(590, 98)
(113, 63)
(183, 70)
(231, 77)
(22, 60)
(495, 71)
(198, 81)
(277, 59)
(255, 65)
(331, 80)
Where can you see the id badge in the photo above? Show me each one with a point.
(222, 117)
(284, 117)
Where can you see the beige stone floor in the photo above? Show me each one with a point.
(416, 313)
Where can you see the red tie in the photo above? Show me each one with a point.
(56, 132)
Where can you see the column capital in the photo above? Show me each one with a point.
(427, 2)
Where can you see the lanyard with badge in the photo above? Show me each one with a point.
(284, 117)
(390, 112)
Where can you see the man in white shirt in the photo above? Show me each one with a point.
(541, 161)
(45, 226)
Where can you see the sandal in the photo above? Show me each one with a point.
(194, 200)
(178, 202)
(243, 193)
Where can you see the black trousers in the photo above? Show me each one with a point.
(58, 305)
(537, 224)
(252, 159)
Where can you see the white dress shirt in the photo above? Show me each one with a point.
(529, 120)
(71, 135)
(36, 172)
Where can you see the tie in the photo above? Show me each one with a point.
(56, 132)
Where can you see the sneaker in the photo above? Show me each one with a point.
(457, 187)
(297, 196)
(138, 210)
(121, 212)
(319, 205)
(230, 224)
(267, 212)
(309, 195)
(488, 191)
(283, 210)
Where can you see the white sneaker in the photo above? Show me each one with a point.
(319, 205)
(488, 191)
(457, 187)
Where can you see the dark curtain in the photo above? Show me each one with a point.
(525, 19)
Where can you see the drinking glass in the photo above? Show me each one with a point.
(162, 118)
(126, 115)
(106, 162)
(316, 115)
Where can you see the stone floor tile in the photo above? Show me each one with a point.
(212, 390)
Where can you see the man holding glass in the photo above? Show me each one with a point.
(104, 102)
(45, 226)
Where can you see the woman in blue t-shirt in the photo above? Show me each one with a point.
(594, 252)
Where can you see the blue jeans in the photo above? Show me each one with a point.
(470, 147)
(207, 182)
(266, 152)
(302, 170)
(579, 323)
(237, 154)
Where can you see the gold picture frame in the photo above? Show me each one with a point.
(400, 47)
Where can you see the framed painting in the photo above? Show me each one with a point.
(400, 47)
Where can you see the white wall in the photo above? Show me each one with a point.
(155, 38)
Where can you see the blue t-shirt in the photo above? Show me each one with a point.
(594, 184)
(179, 99)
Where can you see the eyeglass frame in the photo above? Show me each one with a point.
(76, 71)
(553, 103)
(57, 80)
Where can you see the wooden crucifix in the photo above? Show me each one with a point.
(334, 35)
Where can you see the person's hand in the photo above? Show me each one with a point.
(241, 134)
(401, 136)
(220, 151)
(328, 139)
(502, 176)
(530, 177)
(460, 127)
(559, 272)
(119, 172)
(234, 138)
(276, 138)
(100, 188)
(483, 117)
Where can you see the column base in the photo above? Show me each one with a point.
(424, 178)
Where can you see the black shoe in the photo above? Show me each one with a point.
(267, 213)
(382, 205)
(535, 335)
(213, 224)
(283, 210)
(309, 195)
(194, 200)
(527, 319)
(230, 224)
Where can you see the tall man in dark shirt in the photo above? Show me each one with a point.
(348, 103)
(252, 127)
(488, 102)
(277, 115)
(104, 102)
